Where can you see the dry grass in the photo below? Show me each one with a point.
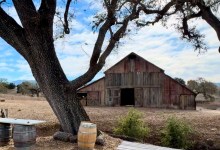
(205, 122)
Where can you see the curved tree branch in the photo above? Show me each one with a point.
(110, 20)
(93, 70)
(47, 11)
(159, 12)
(185, 20)
(210, 18)
(12, 32)
(27, 13)
(66, 24)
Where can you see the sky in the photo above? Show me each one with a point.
(157, 44)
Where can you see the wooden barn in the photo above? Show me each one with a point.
(135, 81)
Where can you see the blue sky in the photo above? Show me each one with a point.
(159, 45)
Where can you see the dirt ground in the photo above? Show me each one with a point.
(206, 123)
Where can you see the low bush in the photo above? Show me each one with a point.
(176, 134)
(131, 125)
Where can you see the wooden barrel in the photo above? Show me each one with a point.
(24, 136)
(87, 136)
(5, 133)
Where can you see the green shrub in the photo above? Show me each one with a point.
(176, 134)
(131, 125)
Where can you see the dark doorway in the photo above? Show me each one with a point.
(83, 98)
(127, 96)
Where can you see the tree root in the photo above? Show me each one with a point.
(65, 137)
(68, 137)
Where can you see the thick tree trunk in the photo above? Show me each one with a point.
(53, 82)
(64, 103)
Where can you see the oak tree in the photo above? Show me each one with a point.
(33, 39)
(180, 80)
(202, 86)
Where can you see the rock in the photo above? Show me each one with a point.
(100, 140)
(210, 142)
(201, 146)
(66, 137)
(2, 100)
(214, 129)
(216, 147)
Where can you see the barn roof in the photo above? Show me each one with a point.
(132, 53)
(93, 82)
(181, 85)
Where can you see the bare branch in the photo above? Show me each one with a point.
(116, 37)
(160, 13)
(210, 18)
(110, 20)
(119, 8)
(66, 24)
(185, 27)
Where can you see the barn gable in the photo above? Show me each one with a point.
(133, 63)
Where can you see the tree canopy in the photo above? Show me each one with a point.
(5, 85)
(180, 80)
(203, 86)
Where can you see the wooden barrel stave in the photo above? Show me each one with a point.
(5, 134)
(24, 136)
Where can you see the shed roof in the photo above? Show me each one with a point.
(93, 82)
(181, 85)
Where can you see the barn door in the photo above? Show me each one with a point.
(114, 97)
(138, 96)
(155, 95)
(93, 98)
(183, 101)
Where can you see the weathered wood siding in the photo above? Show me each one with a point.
(136, 64)
(95, 93)
(134, 79)
(137, 73)
(176, 95)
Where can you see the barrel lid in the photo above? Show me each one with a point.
(88, 125)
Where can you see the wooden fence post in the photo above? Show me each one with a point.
(4, 113)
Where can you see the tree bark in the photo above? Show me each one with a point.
(53, 82)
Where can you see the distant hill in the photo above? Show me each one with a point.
(218, 84)
(20, 81)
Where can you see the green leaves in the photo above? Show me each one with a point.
(131, 125)
(176, 134)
